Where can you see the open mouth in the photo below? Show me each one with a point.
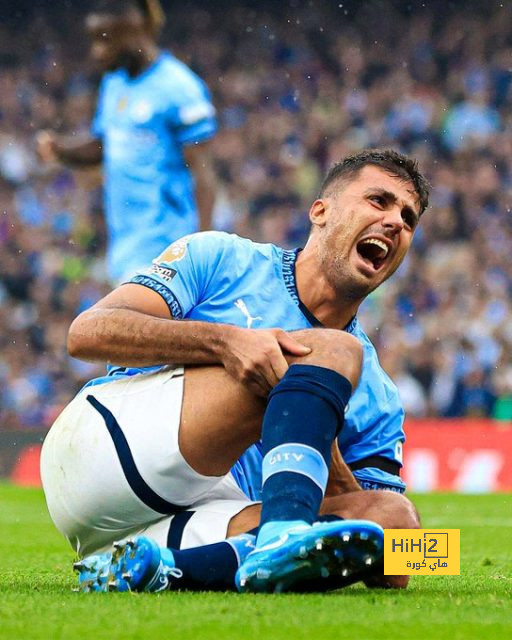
(373, 251)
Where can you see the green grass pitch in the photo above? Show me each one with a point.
(36, 598)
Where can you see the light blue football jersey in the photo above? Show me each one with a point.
(144, 123)
(219, 277)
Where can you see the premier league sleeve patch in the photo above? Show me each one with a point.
(175, 252)
(176, 275)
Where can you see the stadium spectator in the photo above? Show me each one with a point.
(295, 90)
(151, 130)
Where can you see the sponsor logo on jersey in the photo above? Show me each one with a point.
(175, 252)
(240, 304)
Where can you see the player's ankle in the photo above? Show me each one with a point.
(242, 545)
(272, 530)
(167, 557)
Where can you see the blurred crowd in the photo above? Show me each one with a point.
(296, 88)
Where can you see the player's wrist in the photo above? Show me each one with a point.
(226, 337)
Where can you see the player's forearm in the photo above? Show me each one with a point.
(80, 153)
(205, 196)
(198, 158)
(130, 338)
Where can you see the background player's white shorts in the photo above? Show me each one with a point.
(111, 467)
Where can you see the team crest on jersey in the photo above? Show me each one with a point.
(122, 103)
(175, 252)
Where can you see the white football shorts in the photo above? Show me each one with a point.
(111, 467)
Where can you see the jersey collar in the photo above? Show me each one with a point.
(147, 71)
(288, 268)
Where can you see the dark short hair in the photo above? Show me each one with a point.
(150, 10)
(395, 163)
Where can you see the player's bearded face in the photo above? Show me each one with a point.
(112, 38)
(369, 226)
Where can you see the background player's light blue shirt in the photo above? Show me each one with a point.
(217, 277)
(144, 123)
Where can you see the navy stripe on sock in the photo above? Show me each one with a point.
(137, 483)
(176, 528)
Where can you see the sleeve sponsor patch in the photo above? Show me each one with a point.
(166, 273)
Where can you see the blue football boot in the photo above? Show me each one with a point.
(320, 557)
(133, 565)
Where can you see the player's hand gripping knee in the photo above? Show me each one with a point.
(256, 357)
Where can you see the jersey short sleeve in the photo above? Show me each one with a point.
(374, 479)
(194, 114)
(183, 271)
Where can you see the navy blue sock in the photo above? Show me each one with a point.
(305, 412)
(212, 567)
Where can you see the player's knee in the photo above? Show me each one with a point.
(407, 514)
(333, 349)
(398, 511)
